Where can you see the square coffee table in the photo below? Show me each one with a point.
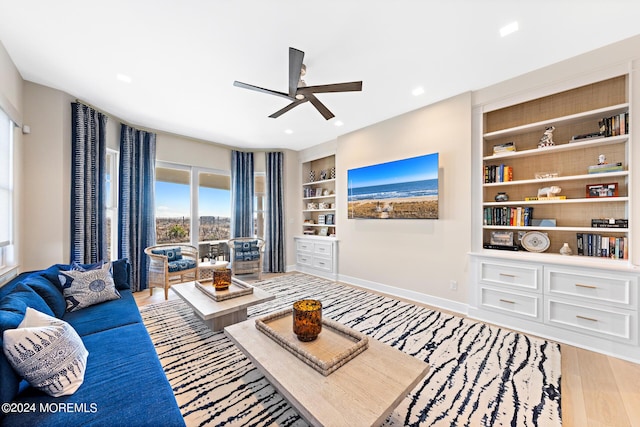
(362, 392)
(218, 314)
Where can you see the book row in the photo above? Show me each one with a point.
(508, 216)
(498, 173)
(597, 245)
(615, 125)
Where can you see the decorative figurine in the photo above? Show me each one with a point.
(547, 138)
(554, 190)
(602, 159)
(566, 250)
(501, 197)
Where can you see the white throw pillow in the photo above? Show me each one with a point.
(86, 288)
(47, 352)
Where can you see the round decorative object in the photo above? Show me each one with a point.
(566, 250)
(535, 241)
(307, 319)
(501, 197)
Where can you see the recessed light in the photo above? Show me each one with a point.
(288, 131)
(508, 29)
(338, 123)
(124, 78)
(417, 91)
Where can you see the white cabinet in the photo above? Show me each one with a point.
(593, 308)
(317, 255)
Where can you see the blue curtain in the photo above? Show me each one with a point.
(88, 169)
(274, 234)
(136, 207)
(241, 194)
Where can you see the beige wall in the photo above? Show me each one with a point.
(412, 258)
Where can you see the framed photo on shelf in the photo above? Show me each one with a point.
(602, 190)
(323, 231)
(502, 238)
(321, 219)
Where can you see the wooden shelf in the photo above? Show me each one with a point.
(590, 176)
(578, 145)
(553, 202)
(595, 230)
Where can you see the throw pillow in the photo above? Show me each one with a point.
(47, 352)
(172, 254)
(120, 271)
(87, 288)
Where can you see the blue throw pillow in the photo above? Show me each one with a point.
(49, 292)
(121, 272)
(172, 254)
(13, 307)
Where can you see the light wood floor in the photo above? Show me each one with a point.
(597, 390)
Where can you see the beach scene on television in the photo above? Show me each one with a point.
(402, 189)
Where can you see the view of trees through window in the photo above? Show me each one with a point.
(173, 205)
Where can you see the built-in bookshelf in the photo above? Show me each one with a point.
(319, 197)
(563, 190)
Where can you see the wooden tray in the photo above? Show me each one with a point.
(236, 289)
(335, 346)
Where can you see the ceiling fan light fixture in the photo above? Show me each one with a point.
(299, 96)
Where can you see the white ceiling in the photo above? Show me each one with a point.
(183, 56)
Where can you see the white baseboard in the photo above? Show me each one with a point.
(438, 302)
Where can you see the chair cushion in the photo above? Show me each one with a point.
(86, 288)
(181, 265)
(246, 250)
(47, 352)
(172, 254)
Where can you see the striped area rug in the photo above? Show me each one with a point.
(480, 375)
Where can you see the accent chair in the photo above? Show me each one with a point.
(246, 255)
(171, 263)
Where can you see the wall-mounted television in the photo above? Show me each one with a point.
(401, 189)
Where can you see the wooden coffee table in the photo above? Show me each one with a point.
(218, 314)
(363, 392)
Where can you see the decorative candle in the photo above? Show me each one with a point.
(221, 279)
(307, 319)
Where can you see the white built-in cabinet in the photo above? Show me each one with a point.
(588, 301)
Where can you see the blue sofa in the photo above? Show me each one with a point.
(124, 383)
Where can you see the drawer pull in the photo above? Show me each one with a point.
(586, 318)
(580, 285)
(507, 301)
(508, 275)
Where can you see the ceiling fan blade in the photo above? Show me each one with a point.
(320, 107)
(288, 107)
(337, 87)
(295, 68)
(260, 89)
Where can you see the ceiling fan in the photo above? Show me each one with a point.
(299, 92)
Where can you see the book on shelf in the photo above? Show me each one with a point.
(498, 173)
(615, 125)
(597, 245)
(504, 148)
(609, 223)
(586, 136)
(508, 216)
(534, 199)
(607, 167)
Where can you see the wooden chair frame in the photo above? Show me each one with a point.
(159, 275)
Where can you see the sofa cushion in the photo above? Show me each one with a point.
(86, 288)
(246, 251)
(100, 317)
(47, 352)
(181, 265)
(172, 254)
(48, 292)
(121, 272)
(124, 384)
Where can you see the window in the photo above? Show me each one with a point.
(259, 204)
(173, 204)
(214, 206)
(6, 191)
(210, 201)
(111, 204)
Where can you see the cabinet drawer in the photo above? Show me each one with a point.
(323, 249)
(304, 259)
(304, 246)
(323, 264)
(608, 323)
(513, 303)
(513, 275)
(597, 286)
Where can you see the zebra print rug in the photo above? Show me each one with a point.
(480, 375)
